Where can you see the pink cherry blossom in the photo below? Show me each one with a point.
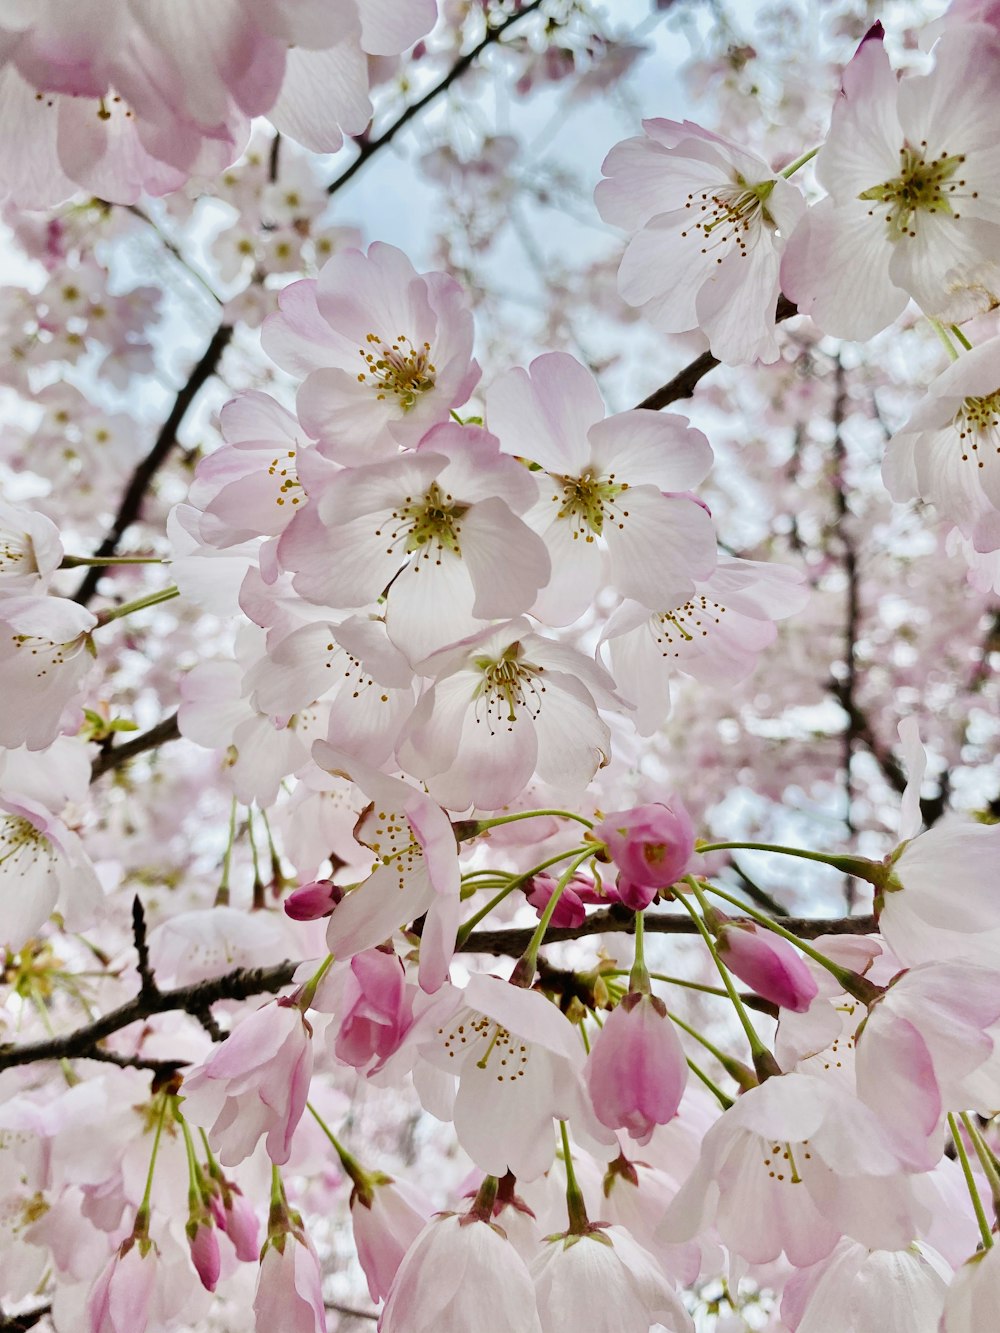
(505, 704)
(386, 1222)
(373, 1006)
(205, 1255)
(45, 660)
(455, 1271)
(768, 964)
(898, 1291)
(949, 450)
(235, 1215)
(121, 1298)
(253, 1084)
(795, 1164)
(387, 352)
(43, 864)
(579, 893)
(30, 549)
(637, 1070)
(715, 635)
(606, 1282)
(914, 190)
(309, 902)
(416, 871)
(439, 529)
(289, 1291)
(652, 845)
(606, 487)
(971, 1299)
(708, 223)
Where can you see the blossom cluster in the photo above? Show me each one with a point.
(432, 625)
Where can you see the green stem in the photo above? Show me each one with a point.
(515, 883)
(724, 1101)
(793, 167)
(970, 1183)
(142, 1216)
(961, 337)
(576, 1209)
(307, 993)
(483, 824)
(361, 1179)
(946, 342)
(140, 604)
(986, 1159)
(762, 1057)
(222, 892)
(196, 1181)
(639, 978)
(852, 983)
(859, 866)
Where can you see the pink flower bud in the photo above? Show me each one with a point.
(121, 1298)
(239, 1221)
(204, 1247)
(636, 1070)
(384, 1229)
(768, 965)
(309, 902)
(376, 1007)
(636, 896)
(573, 901)
(652, 845)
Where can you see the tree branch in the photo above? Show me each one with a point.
(114, 757)
(369, 147)
(244, 982)
(135, 491)
(685, 381)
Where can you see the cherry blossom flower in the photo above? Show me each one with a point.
(30, 549)
(708, 222)
(387, 352)
(122, 1296)
(792, 1166)
(928, 1047)
(45, 657)
(971, 1299)
(387, 1219)
(949, 450)
(289, 1291)
(416, 872)
(913, 188)
(608, 478)
(519, 1065)
(579, 893)
(505, 704)
(604, 1281)
(939, 900)
(637, 1070)
(716, 634)
(42, 864)
(373, 1005)
(438, 529)
(900, 1291)
(255, 1083)
(457, 1271)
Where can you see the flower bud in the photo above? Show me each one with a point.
(768, 965)
(309, 902)
(203, 1243)
(637, 1070)
(651, 845)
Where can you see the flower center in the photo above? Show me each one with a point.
(921, 187)
(399, 369)
(508, 686)
(22, 844)
(50, 655)
(729, 215)
(684, 624)
(428, 525)
(978, 423)
(505, 1053)
(16, 554)
(282, 468)
(781, 1163)
(586, 501)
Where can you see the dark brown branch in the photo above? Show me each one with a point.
(236, 985)
(369, 147)
(20, 1323)
(685, 381)
(149, 986)
(135, 492)
(244, 982)
(114, 757)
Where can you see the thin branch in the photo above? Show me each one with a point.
(349, 1312)
(685, 381)
(20, 1323)
(368, 148)
(149, 986)
(244, 982)
(114, 757)
(139, 483)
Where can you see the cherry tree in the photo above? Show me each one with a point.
(499, 558)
